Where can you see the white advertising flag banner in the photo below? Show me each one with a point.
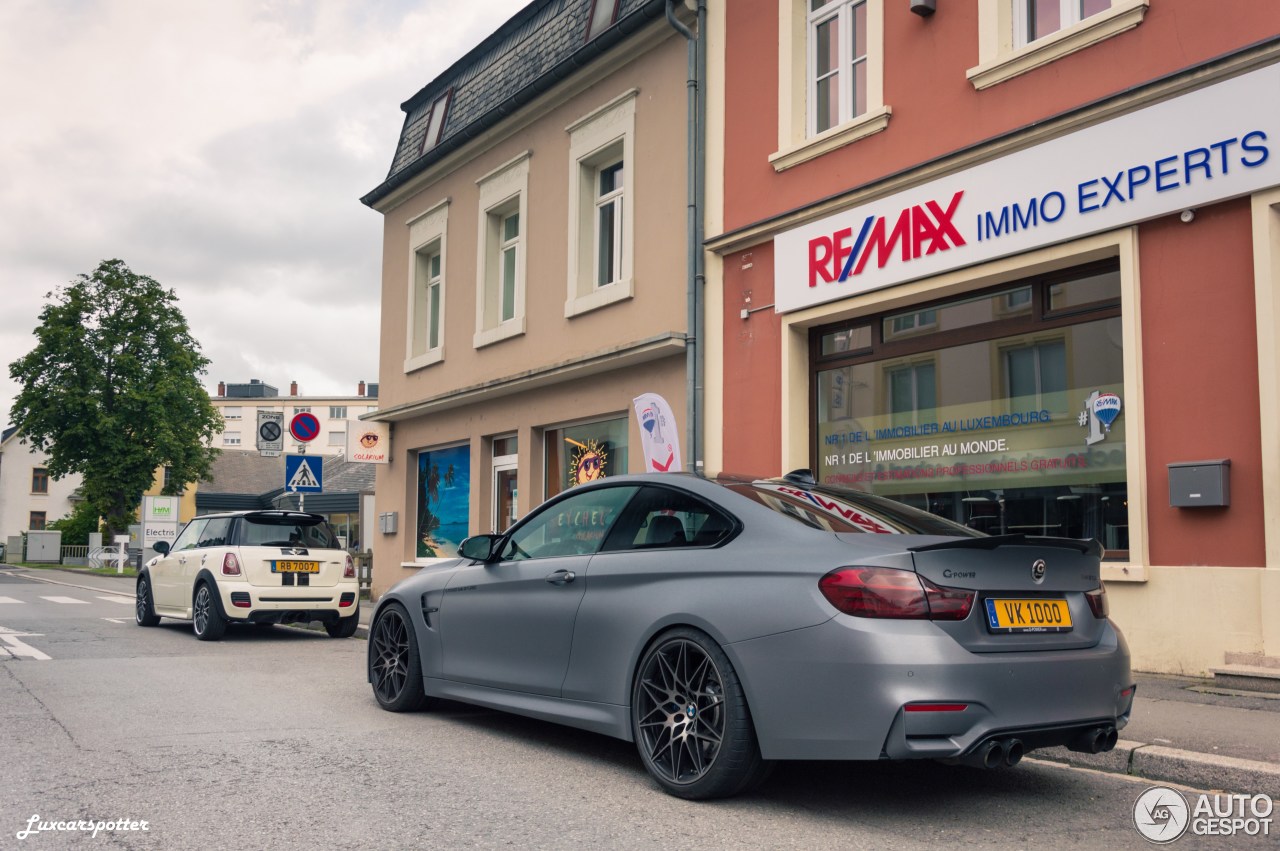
(658, 434)
(369, 442)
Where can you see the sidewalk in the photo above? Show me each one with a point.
(1183, 730)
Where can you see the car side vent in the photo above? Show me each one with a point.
(802, 476)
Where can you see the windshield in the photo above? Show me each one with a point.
(839, 509)
(286, 530)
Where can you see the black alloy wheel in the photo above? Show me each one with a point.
(394, 667)
(690, 719)
(209, 623)
(144, 606)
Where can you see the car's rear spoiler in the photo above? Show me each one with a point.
(1087, 546)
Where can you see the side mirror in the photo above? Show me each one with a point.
(161, 547)
(479, 547)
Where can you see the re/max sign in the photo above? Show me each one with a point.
(917, 231)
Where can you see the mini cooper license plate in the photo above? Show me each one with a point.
(295, 567)
(1028, 615)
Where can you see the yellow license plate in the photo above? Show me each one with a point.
(1005, 615)
(295, 567)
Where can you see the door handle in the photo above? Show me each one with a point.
(562, 577)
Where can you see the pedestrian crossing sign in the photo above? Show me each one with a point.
(303, 474)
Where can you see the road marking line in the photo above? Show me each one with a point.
(128, 601)
(66, 600)
(9, 600)
(21, 648)
(119, 620)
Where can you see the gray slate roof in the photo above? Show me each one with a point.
(542, 44)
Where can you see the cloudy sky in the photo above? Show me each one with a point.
(221, 147)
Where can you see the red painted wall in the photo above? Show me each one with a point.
(752, 370)
(936, 110)
(1200, 376)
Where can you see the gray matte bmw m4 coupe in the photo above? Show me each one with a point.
(724, 624)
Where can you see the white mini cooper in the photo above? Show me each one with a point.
(260, 567)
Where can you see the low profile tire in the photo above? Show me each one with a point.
(395, 667)
(344, 628)
(144, 609)
(209, 623)
(690, 719)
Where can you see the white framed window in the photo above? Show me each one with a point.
(435, 121)
(337, 412)
(1036, 19)
(830, 77)
(601, 177)
(1017, 36)
(837, 47)
(231, 413)
(603, 13)
(231, 438)
(500, 290)
(424, 336)
(302, 409)
(337, 438)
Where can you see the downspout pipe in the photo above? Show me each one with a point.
(696, 156)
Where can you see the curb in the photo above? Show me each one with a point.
(1188, 768)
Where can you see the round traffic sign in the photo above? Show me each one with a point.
(269, 431)
(304, 427)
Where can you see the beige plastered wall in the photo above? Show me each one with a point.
(561, 370)
(1177, 619)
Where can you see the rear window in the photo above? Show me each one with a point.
(838, 509)
(264, 530)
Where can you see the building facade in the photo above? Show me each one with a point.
(534, 270)
(1017, 263)
(239, 405)
(29, 498)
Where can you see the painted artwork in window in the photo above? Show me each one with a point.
(444, 501)
(580, 454)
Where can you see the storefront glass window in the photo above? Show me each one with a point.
(1003, 432)
(444, 500)
(584, 453)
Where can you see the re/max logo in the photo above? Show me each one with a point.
(918, 231)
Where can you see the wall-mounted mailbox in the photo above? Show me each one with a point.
(387, 522)
(1200, 484)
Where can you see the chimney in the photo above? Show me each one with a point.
(293, 388)
(222, 388)
(360, 389)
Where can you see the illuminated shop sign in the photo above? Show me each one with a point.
(1212, 144)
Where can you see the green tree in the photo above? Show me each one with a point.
(77, 526)
(111, 390)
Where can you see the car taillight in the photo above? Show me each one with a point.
(1098, 602)
(882, 592)
(349, 572)
(230, 565)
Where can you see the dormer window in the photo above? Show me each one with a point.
(603, 14)
(435, 121)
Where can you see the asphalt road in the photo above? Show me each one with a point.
(272, 739)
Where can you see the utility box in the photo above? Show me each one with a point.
(44, 547)
(1200, 484)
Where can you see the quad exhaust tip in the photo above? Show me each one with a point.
(994, 753)
(1094, 740)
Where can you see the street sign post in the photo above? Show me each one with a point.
(270, 433)
(304, 427)
(304, 474)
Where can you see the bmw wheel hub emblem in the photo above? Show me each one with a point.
(690, 710)
(1038, 569)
